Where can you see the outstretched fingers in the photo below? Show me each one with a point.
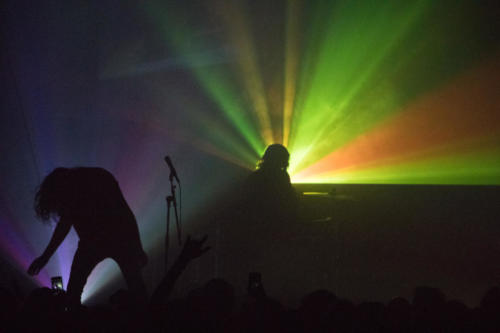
(193, 248)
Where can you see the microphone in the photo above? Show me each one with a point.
(172, 169)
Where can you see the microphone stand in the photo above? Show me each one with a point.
(171, 200)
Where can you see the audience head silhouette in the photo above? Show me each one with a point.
(275, 157)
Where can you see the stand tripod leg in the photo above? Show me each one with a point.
(167, 235)
(178, 224)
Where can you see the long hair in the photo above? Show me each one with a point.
(275, 157)
(51, 199)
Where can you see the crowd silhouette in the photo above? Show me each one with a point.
(90, 200)
(213, 307)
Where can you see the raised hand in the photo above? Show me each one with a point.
(37, 265)
(193, 248)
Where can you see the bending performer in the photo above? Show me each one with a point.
(90, 200)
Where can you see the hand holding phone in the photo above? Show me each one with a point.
(255, 287)
(57, 283)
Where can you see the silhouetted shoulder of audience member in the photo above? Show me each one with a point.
(90, 200)
(429, 305)
(428, 298)
(42, 311)
(317, 301)
(369, 317)
(398, 317)
(316, 311)
(268, 192)
(9, 306)
(491, 299)
(212, 305)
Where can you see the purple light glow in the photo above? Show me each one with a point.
(17, 249)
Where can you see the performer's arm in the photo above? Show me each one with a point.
(62, 229)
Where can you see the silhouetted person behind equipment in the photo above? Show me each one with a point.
(266, 217)
(269, 195)
(90, 200)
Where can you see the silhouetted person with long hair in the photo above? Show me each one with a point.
(269, 194)
(265, 218)
(90, 200)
